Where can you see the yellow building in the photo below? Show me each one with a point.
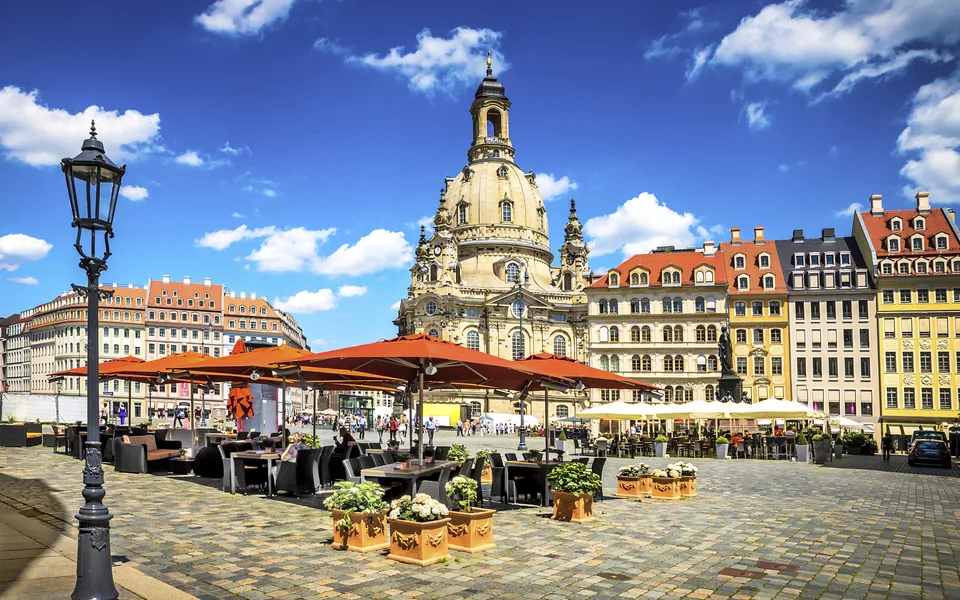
(914, 255)
(759, 322)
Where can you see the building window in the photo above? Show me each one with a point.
(699, 304)
(891, 397)
(743, 282)
(946, 402)
(775, 336)
(759, 366)
(801, 367)
(817, 366)
(776, 365)
(667, 335)
(768, 282)
(614, 334)
(756, 308)
(740, 309)
(764, 261)
(506, 211)
(712, 333)
(758, 336)
(740, 262)
(833, 369)
(926, 398)
(893, 245)
(518, 346)
(614, 306)
(741, 336)
(943, 362)
(926, 362)
(430, 308)
(473, 340)
(848, 367)
(434, 333)
(917, 243)
(923, 296)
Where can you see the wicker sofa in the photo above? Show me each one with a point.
(134, 453)
(21, 434)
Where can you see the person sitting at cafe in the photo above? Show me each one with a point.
(791, 433)
(736, 439)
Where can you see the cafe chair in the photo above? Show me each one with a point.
(477, 476)
(378, 460)
(510, 456)
(351, 467)
(438, 489)
(597, 467)
(324, 466)
(366, 461)
(300, 476)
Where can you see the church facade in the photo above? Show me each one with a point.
(486, 277)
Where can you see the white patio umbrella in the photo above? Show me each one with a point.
(773, 408)
(696, 409)
(619, 410)
(847, 423)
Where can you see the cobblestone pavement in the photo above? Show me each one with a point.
(857, 529)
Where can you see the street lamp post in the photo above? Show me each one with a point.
(93, 211)
(57, 398)
(518, 307)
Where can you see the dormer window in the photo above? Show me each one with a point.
(613, 280)
(768, 282)
(513, 272)
(743, 282)
(916, 243)
(798, 260)
(896, 224)
(886, 268)
(919, 224)
(940, 266)
(903, 267)
(828, 259)
(921, 268)
(462, 214)
(893, 244)
(676, 277)
(941, 241)
(764, 261)
(739, 262)
(814, 260)
(634, 279)
(506, 211)
(844, 259)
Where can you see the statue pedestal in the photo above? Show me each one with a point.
(729, 387)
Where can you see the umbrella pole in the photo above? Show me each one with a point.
(546, 423)
(283, 412)
(193, 423)
(314, 415)
(419, 422)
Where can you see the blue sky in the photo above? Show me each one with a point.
(289, 147)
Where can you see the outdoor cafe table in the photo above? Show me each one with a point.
(543, 467)
(412, 473)
(215, 438)
(240, 456)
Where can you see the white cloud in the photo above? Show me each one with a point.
(834, 151)
(24, 280)
(437, 63)
(350, 291)
(851, 210)
(134, 192)
(16, 248)
(305, 302)
(784, 168)
(757, 117)
(269, 193)
(395, 305)
(640, 225)
(237, 215)
(698, 60)
(228, 149)
(38, 135)
(222, 239)
(795, 43)
(378, 250)
(243, 17)
(550, 187)
(190, 158)
(658, 48)
(932, 136)
(290, 250)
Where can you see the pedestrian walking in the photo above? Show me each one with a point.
(177, 417)
(123, 415)
(361, 426)
(393, 426)
(379, 426)
(886, 443)
(431, 429)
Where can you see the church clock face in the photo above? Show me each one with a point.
(570, 259)
(437, 250)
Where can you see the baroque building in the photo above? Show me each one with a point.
(485, 277)
(657, 316)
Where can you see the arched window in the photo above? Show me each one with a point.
(614, 363)
(701, 364)
(513, 272)
(677, 333)
(559, 345)
(700, 305)
(634, 306)
(646, 363)
(614, 334)
(711, 304)
(563, 411)
(668, 394)
(567, 282)
(743, 282)
(678, 363)
(605, 363)
(614, 280)
(678, 394)
(699, 276)
(645, 306)
(643, 279)
(677, 305)
(462, 214)
(476, 408)
(668, 363)
(602, 334)
(701, 333)
(645, 334)
(506, 211)
(635, 333)
(712, 333)
(709, 276)
(667, 305)
(668, 334)
(473, 340)
(634, 279)
(614, 307)
(768, 282)
(676, 277)
(712, 363)
(518, 345)
(434, 272)
(635, 363)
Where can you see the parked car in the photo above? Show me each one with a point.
(929, 451)
(927, 434)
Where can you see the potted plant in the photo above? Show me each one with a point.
(634, 481)
(402, 457)
(660, 445)
(688, 478)
(821, 448)
(574, 486)
(802, 447)
(666, 484)
(723, 444)
(418, 530)
(562, 441)
(534, 455)
(470, 529)
(486, 475)
(458, 453)
(359, 517)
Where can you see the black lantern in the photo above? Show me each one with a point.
(98, 178)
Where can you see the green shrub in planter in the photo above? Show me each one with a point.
(462, 492)
(722, 440)
(458, 452)
(661, 439)
(563, 435)
(574, 478)
(353, 497)
(819, 437)
(801, 440)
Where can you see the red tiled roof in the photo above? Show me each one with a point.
(935, 222)
(185, 291)
(751, 252)
(685, 260)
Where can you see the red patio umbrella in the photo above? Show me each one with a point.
(106, 367)
(422, 359)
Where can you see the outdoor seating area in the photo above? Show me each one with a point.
(20, 434)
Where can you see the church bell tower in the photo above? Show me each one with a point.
(491, 120)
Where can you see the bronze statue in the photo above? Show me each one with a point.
(726, 350)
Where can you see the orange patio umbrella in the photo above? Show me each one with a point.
(106, 367)
(423, 359)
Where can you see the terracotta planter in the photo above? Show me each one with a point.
(418, 543)
(665, 488)
(575, 508)
(368, 532)
(688, 486)
(631, 488)
(471, 531)
(486, 476)
(403, 465)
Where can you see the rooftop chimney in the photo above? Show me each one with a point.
(829, 234)
(876, 204)
(758, 235)
(243, 295)
(233, 294)
(709, 248)
(186, 279)
(735, 235)
(207, 282)
(165, 278)
(129, 286)
(923, 202)
(798, 235)
(253, 295)
(115, 284)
